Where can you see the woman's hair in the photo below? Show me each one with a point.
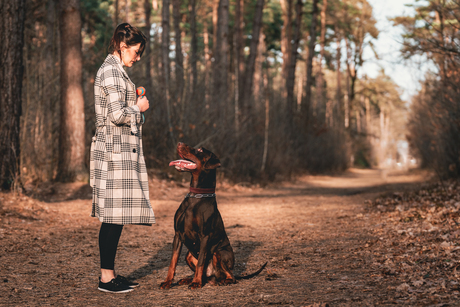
(125, 33)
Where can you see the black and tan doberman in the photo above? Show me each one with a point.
(198, 224)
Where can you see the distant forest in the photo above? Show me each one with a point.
(273, 87)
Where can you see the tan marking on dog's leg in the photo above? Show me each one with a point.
(177, 246)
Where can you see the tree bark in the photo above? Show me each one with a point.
(127, 10)
(194, 45)
(179, 56)
(215, 18)
(286, 7)
(250, 66)
(339, 77)
(351, 81)
(346, 103)
(71, 164)
(258, 73)
(207, 60)
(239, 46)
(165, 66)
(319, 76)
(11, 70)
(220, 91)
(267, 119)
(148, 63)
(115, 19)
(311, 50)
(49, 102)
(290, 80)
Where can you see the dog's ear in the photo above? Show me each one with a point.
(212, 163)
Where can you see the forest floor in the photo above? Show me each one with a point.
(355, 239)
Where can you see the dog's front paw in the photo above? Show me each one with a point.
(195, 285)
(166, 285)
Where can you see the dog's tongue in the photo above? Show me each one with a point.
(183, 164)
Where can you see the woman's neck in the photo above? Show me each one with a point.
(115, 54)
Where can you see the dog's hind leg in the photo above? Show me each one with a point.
(225, 261)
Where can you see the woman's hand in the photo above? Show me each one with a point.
(143, 103)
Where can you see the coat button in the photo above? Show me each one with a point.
(134, 150)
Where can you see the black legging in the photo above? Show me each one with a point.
(109, 235)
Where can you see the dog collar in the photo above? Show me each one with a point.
(200, 195)
(203, 190)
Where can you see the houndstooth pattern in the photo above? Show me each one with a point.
(118, 174)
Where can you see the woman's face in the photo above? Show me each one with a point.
(130, 55)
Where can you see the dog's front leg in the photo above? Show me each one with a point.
(202, 257)
(177, 246)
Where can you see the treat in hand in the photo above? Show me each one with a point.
(140, 91)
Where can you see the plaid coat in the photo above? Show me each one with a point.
(118, 174)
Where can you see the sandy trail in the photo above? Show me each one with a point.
(308, 230)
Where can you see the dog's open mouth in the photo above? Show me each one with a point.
(183, 165)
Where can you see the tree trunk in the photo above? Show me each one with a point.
(237, 46)
(286, 7)
(49, 102)
(127, 10)
(351, 80)
(299, 92)
(215, 19)
(207, 61)
(346, 102)
(250, 66)
(384, 131)
(71, 164)
(116, 19)
(319, 76)
(368, 115)
(352, 68)
(220, 94)
(311, 50)
(179, 56)
(258, 73)
(194, 46)
(165, 64)
(339, 78)
(11, 69)
(290, 80)
(148, 63)
(267, 119)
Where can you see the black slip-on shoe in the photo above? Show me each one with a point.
(127, 282)
(114, 286)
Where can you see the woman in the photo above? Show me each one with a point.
(118, 173)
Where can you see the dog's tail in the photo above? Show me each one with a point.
(253, 274)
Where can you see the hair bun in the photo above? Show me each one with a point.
(125, 33)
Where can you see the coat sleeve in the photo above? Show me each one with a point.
(114, 87)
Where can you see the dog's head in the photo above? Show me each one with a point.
(195, 160)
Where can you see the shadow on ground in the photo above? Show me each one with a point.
(243, 251)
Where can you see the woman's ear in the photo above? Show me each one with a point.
(123, 46)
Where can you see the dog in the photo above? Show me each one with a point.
(199, 226)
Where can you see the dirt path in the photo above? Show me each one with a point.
(312, 232)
